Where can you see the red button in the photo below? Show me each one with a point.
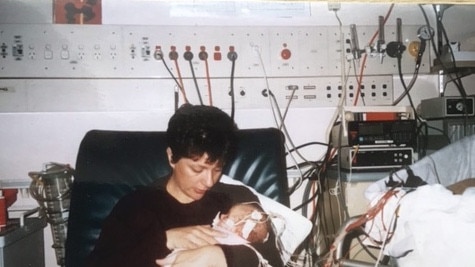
(285, 54)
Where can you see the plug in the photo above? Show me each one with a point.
(158, 54)
(188, 55)
(173, 55)
(203, 55)
(232, 55)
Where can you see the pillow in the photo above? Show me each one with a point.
(292, 226)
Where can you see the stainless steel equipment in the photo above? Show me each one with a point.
(51, 188)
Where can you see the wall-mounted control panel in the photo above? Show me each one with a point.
(299, 62)
(109, 51)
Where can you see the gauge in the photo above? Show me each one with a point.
(425, 32)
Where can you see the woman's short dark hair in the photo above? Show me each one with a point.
(194, 130)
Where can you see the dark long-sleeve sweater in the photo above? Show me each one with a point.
(134, 233)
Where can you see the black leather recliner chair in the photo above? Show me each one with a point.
(111, 164)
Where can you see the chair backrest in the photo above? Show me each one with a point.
(111, 164)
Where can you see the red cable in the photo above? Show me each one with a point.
(182, 88)
(360, 80)
(208, 80)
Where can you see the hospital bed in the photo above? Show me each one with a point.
(424, 224)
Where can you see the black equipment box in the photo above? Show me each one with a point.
(387, 133)
(367, 158)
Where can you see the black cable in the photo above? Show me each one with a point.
(305, 176)
(422, 140)
(176, 81)
(442, 33)
(418, 135)
(414, 76)
(437, 53)
(457, 80)
(189, 56)
(304, 164)
(306, 144)
(447, 41)
(341, 197)
(311, 244)
(232, 56)
(304, 204)
(327, 222)
(324, 222)
(406, 89)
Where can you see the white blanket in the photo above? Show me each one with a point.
(430, 226)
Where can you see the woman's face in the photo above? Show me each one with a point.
(192, 178)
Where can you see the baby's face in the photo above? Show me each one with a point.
(235, 221)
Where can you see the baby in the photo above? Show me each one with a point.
(244, 223)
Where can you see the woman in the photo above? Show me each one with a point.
(175, 212)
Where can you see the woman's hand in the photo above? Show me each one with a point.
(207, 256)
(192, 237)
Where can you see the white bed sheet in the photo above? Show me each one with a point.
(432, 227)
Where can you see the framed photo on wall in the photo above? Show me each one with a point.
(77, 11)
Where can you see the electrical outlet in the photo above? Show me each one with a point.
(334, 6)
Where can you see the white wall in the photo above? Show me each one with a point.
(43, 120)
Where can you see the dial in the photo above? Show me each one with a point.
(460, 106)
(425, 32)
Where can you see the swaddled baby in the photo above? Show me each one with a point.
(243, 223)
